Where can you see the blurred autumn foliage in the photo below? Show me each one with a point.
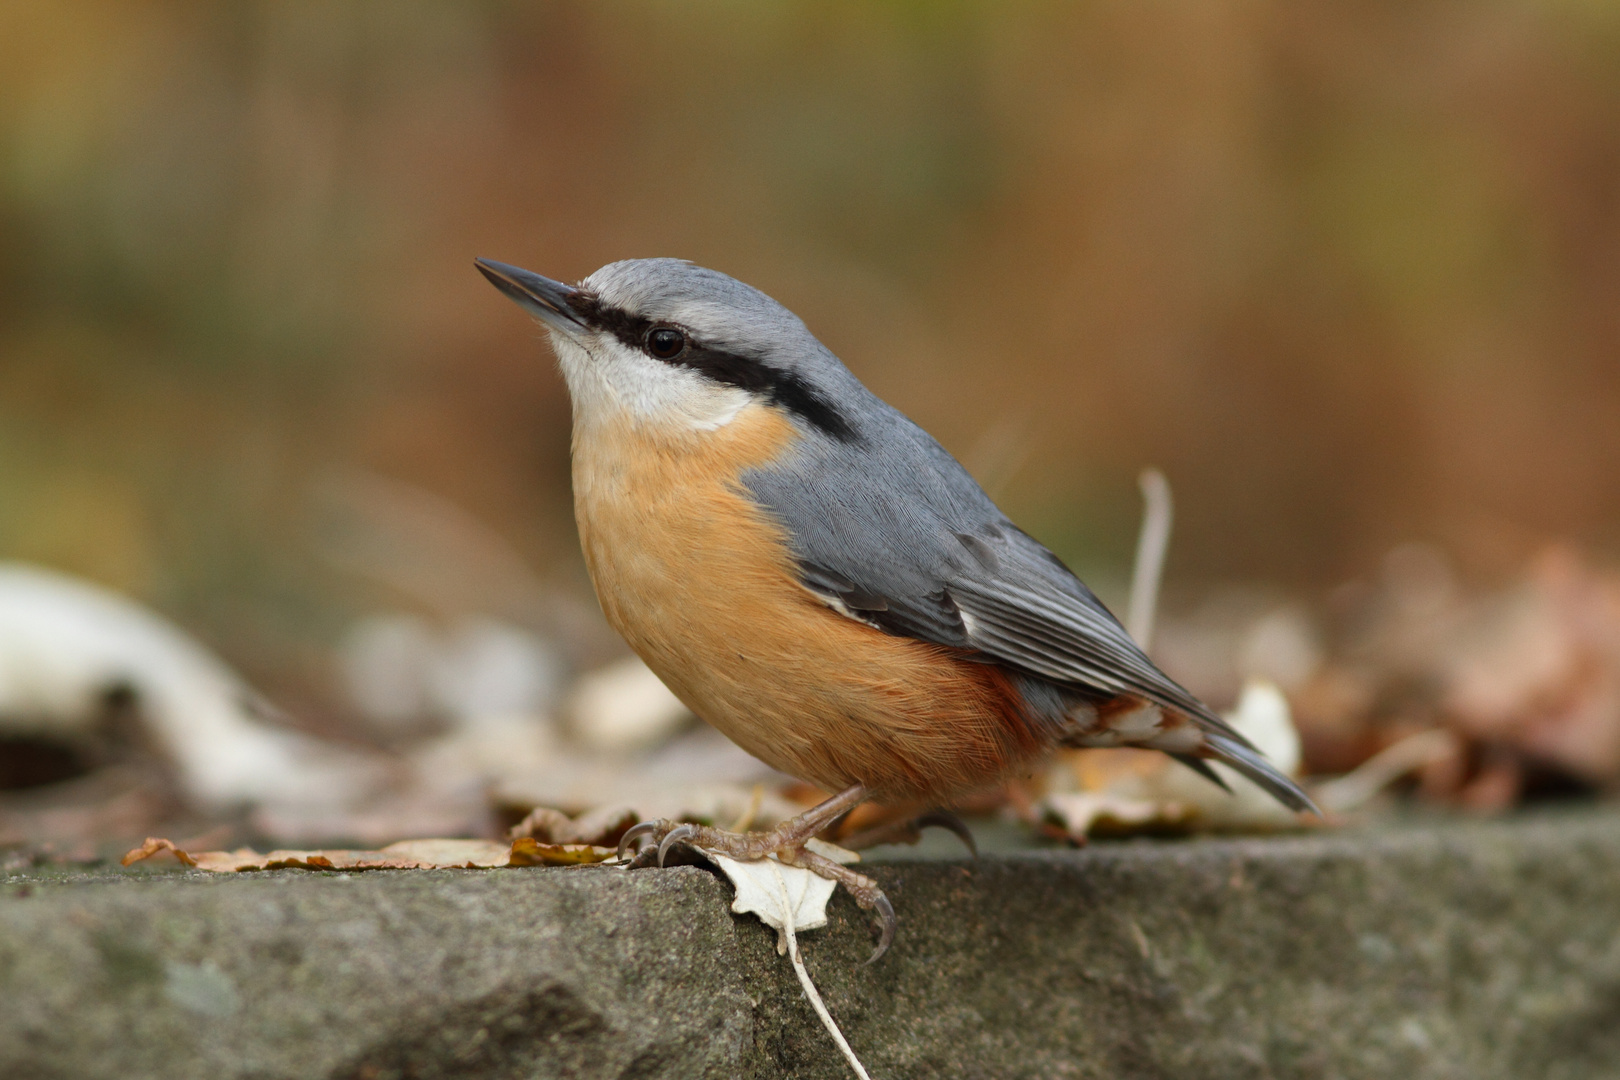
(1348, 272)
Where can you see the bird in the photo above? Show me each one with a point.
(817, 577)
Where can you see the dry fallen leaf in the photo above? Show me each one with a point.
(527, 851)
(1078, 814)
(405, 855)
(602, 826)
(790, 899)
(1539, 669)
(804, 904)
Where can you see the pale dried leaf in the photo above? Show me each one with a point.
(1079, 814)
(436, 854)
(800, 900)
(806, 893)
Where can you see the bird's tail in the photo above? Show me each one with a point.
(1234, 751)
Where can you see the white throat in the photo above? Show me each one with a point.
(613, 383)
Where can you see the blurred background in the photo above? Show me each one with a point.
(1349, 273)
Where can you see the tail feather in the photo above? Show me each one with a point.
(1234, 751)
(1191, 737)
(1202, 768)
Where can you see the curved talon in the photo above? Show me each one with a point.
(676, 835)
(886, 910)
(634, 833)
(947, 820)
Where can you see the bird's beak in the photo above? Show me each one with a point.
(539, 296)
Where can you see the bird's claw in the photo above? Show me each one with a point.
(886, 911)
(652, 840)
(634, 833)
(673, 837)
(862, 888)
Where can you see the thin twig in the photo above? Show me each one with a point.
(751, 811)
(810, 990)
(1151, 545)
(1355, 788)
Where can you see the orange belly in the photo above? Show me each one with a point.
(702, 584)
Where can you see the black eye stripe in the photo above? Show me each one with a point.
(728, 368)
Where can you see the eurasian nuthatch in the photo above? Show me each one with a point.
(815, 576)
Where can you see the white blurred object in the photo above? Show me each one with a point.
(66, 644)
(488, 667)
(1263, 717)
(383, 659)
(624, 706)
(496, 748)
(401, 669)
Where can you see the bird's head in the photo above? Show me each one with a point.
(660, 341)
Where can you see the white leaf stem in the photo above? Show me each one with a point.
(810, 990)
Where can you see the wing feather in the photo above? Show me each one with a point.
(1067, 637)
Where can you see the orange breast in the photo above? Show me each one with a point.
(701, 582)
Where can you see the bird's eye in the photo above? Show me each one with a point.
(665, 343)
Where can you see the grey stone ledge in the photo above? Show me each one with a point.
(1474, 950)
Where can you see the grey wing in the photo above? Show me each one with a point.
(1009, 599)
(1032, 612)
(906, 541)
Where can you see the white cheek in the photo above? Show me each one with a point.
(610, 382)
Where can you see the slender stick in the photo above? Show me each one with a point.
(1151, 544)
(810, 990)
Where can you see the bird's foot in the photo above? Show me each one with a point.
(862, 888)
(657, 838)
(787, 841)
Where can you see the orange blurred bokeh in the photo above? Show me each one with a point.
(1348, 272)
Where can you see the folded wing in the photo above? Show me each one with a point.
(925, 554)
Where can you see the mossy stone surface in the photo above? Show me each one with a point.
(1475, 950)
